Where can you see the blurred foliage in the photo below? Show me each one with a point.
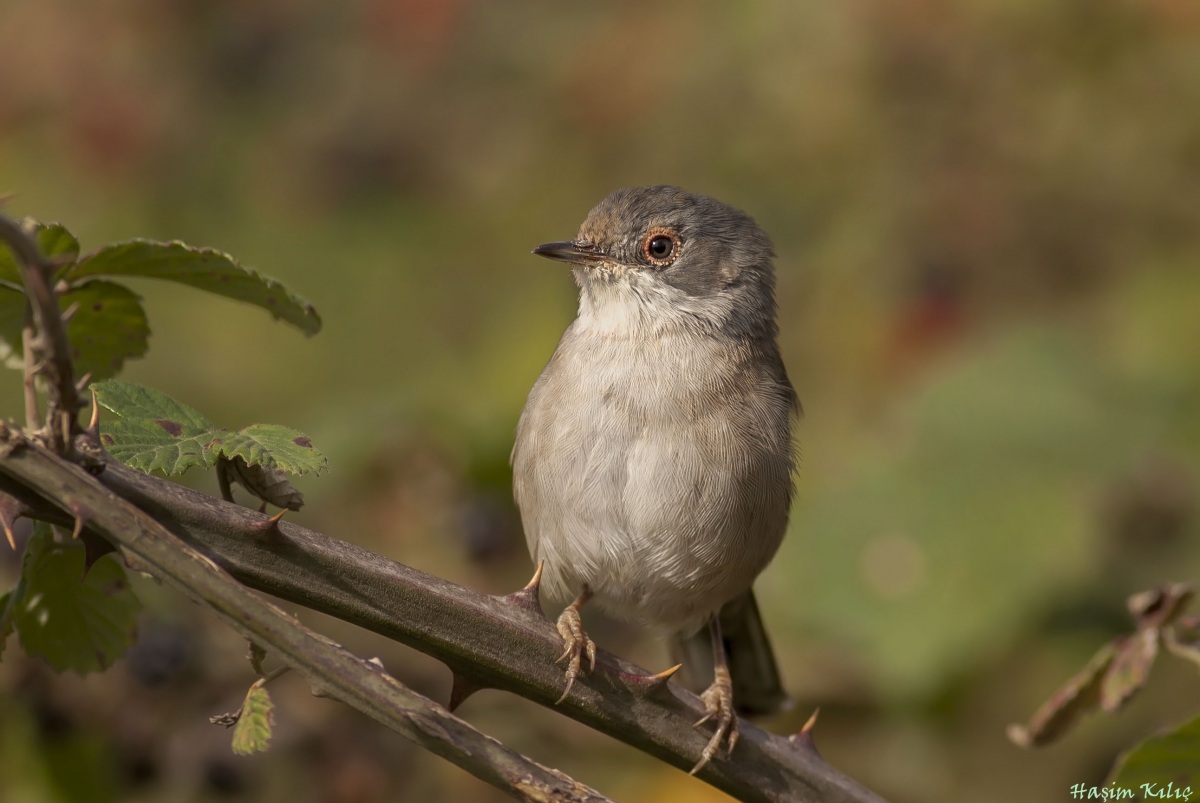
(986, 216)
(76, 614)
(1164, 761)
(1120, 669)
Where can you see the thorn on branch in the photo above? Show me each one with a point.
(528, 598)
(94, 548)
(69, 313)
(93, 427)
(11, 509)
(646, 685)
(267, 527)
(80, 513)
(462, 688)
(803, 739)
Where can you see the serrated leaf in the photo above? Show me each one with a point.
(202, 268)
(152, 446)
(57, 242)
(108, 327)
(135, 402)
(252, 733)
(1172, 758)
(1079, 696)
(73, 622)
(157, 433)
(273, 446)
(53, 240)
(1130, 669)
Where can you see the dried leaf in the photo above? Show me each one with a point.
(1159, 607)
(1079, 696)
(1129, 669)
(268, 484)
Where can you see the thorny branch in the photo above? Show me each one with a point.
(208, 549)
(487, 642)
(330, 669)
(48, 346)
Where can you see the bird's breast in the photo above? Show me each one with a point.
(656, 471)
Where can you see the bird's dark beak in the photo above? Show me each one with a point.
(575, 253)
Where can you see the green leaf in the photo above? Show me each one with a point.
(57, 243)
(77, 622)
(1172, 757)
(202, 268)
(135, 402)
(108, 327)
(157, 433)
(152, 446)
(252, 733)
(273, 446)
(54, 241)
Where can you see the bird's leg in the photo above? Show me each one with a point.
(718, 701)
(575, 641)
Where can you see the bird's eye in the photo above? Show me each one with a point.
(660, 247)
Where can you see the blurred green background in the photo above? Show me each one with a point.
(986, 217)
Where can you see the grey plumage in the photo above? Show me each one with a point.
(653, 461)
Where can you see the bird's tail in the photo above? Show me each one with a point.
(757, 686)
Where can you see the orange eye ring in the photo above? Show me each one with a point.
(660, 247)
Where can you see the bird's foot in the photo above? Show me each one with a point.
(718, 705)
(576, 644)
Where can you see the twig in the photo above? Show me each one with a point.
(54, 352)
(488, 642)
(32, 414)
(325, 665)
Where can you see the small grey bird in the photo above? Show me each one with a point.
(653, 461)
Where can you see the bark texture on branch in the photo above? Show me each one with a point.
(330, 669)
(486, 641)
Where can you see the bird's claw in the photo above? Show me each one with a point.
(576, 644)
(718, 706)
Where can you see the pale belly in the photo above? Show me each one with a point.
(664, 498)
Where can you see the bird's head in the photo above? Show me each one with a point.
(652, 259)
